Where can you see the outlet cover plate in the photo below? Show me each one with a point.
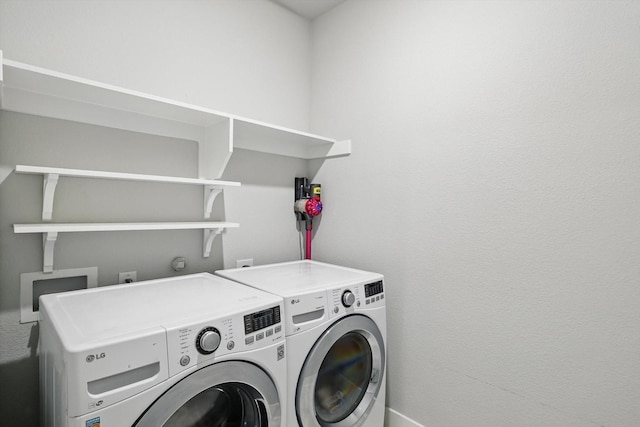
(244, 263)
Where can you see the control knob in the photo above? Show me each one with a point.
(348, 298)
(208, 340)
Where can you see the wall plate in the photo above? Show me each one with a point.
(32, 285)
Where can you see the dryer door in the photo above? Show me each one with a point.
(342, 375)
(225, 394)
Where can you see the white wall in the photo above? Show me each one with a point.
(243, 57)
(495, 181)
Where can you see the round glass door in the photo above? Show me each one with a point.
(226, 405)
(342, 375)
(343, 378)
(227, 394)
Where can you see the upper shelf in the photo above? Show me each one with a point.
(34, 90)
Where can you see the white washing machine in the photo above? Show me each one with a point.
(187, 351)
(335, 323)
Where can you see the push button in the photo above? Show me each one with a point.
(248, 340)
(259, 336)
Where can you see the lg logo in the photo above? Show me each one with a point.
(92, 357)
(295, 301)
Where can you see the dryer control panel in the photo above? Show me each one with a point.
(373, 289)
(356, 297)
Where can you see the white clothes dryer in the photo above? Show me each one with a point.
(186, 351)
(335, 323)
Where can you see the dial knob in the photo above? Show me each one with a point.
(348, 298)
(208, 340)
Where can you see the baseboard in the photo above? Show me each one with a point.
(396, 419)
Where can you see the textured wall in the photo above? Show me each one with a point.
(249, 58)
(495, 181)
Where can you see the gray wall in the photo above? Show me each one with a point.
(248, 58)
(495, 181)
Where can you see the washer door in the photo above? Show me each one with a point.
(342, 375)
(226, 394)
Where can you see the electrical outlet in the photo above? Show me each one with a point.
(244, 263)
(127, 277)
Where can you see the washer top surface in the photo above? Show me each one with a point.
(114, 311)
(293, 278)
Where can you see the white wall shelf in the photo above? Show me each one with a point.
(52, 177)
(118, 226)
(50, 232)
(38, 91)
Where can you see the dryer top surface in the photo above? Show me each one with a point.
(293, 278)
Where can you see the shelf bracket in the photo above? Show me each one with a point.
(48, 243)
(210, 194)
(209, 236)
(48, 193)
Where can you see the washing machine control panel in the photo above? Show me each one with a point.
(193, 344)
(262, 319)
(208, 340)
(348, 299)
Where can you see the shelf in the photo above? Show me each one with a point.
(119, 226)
(40, 170)
(51, 178)
(38, 91)
(256, 136)
(50, 232)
